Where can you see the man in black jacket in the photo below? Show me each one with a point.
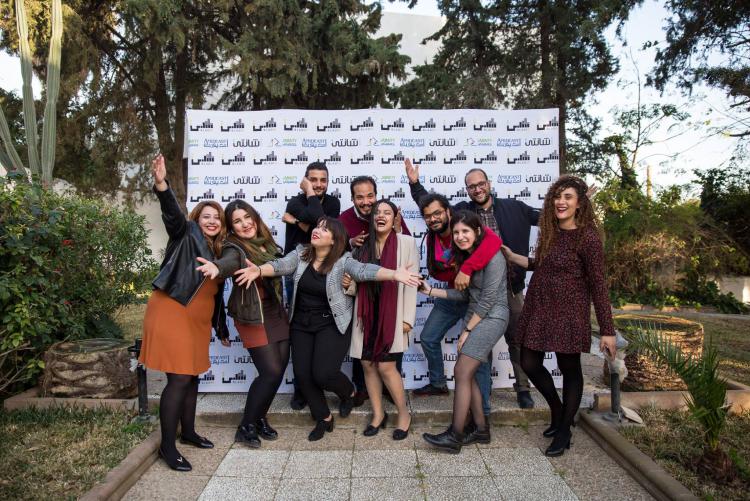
(301, 216)
(512, 220)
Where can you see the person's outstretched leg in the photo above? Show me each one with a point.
(570, 366)
(171, 405)
(270, 361)
(532, 363)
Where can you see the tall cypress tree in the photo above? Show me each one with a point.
(523, 54)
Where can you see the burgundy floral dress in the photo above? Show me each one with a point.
(556, 311)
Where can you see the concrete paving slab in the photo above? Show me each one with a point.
(468, 463)
(252, 463)
(167, 488)
(240, 489)
(462, 488)
(524, 488)
(381, 489)
(516, 461)
(314, 489)
(387, 464)
(340, 439)
(319, 464)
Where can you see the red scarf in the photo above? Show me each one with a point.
(386, 317)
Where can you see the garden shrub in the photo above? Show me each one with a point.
(662, 251)
(66, 264)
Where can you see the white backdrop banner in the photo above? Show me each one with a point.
(260, 156)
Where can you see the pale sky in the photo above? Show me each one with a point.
(645, 23)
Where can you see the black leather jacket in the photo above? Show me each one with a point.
(177, 275)
(245, 304)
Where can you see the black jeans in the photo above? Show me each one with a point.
(317, 358)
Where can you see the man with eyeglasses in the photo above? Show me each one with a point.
(512, 220)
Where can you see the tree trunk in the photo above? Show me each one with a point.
(90, 368)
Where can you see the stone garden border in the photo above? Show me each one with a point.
(31, 398)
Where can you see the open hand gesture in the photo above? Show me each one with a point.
(159, 169)
(247, 275)
(412, 172)
(209, 269)
(407, 277)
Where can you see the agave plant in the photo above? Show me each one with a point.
(707, 391)
(9, 158)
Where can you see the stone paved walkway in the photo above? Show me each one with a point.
(349, 466)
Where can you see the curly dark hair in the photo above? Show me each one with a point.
(548, 223)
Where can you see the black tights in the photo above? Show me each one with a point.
(177, 404)
(562, 412)
(270, 361)
(467, 396)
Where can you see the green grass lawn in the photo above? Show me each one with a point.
(130, 319)
(730, 335)
(674, 440)
(61, 453)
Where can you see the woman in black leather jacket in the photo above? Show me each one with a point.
(258, 314)
(183, 308)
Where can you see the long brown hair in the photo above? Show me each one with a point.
(340, 238)
(263, 238)
(472, 220)
(548, 223)
(213, 242)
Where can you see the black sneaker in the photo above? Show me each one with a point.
(429, 390)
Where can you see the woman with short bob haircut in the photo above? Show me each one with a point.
(484, 324)
(321, 314)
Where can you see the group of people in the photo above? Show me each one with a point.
(351, 281)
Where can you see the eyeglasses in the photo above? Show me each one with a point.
(478, 186)
(438, 214)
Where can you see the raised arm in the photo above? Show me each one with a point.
(174, 220)
(416, 188)
(490, 246)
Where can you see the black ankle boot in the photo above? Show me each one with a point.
(559, 444)
(248, 435)
(478, 436)
(175, 461)
(320, 429)
(264, 429)
(298, 401)
(345, 406)
(449, 440)
(553, 427)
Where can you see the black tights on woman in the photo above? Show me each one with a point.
(467, 396)
(270, 360)
(177, 405)
(562, 412)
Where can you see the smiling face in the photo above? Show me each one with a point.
(364, 197)
(566, 203)
(209, 221)
(319, 180)
(478, 187)
(243, 224)
(384, 218)
(436, 217)
(321, 236)
(464, 236)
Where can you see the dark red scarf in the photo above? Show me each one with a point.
(386, 317)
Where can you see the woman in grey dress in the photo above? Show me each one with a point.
(484, 325)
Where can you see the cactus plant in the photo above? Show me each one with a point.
(41, 169)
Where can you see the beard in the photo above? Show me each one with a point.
(441, 229)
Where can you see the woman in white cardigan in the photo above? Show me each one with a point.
(384, 315)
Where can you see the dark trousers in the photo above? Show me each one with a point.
(317, 356)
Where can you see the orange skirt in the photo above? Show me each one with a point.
(176, 337)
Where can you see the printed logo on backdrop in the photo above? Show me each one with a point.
(260, 157)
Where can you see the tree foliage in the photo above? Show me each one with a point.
(708, 42)
(725, 196)
(524, 54)
(132, 68)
